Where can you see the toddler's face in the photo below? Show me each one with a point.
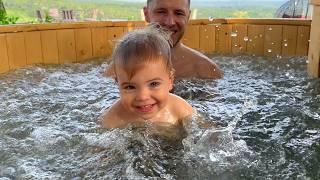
(147, 92)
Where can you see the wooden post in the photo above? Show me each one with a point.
(314, 47)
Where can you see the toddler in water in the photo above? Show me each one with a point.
(144, 74)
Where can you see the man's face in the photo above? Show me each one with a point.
(172, 15)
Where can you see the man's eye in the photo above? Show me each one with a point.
(154, 84)
(160, 12)
(179, 13)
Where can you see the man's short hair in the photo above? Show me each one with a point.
(148, 1)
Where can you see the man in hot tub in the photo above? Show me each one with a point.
(173, 15)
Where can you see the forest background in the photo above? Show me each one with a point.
(83, 10)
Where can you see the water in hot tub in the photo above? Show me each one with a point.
(261, 121)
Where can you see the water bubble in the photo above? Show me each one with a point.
(205, 30)
(272, 43)
(211, 18)
(207, 37)
(256, 37)
(309, 40)
(285, 40)
(234, 34)
(217, 26)
(260, 35)
(246, 38)
(250, 40)
(279, 56)
(270, 29)
(269, 50)
(287, 74)
(236, 45)
(307, 61)
(285, 44)
(288, 65)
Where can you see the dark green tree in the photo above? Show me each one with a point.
(4, 19)
(2, 8)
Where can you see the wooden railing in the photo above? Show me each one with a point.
(59, 43)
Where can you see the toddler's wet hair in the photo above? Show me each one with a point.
(142, 46)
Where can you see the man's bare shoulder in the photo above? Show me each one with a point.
(203, 65)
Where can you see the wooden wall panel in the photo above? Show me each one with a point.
(16, 50)
(255, 45)
(66, 46)
(113, 34)
(83, 41)
(4, 60)
(239, 38)
(191, 37)
(314, 49)
(223, 38)
(303, 40)
(207, 38)
(289, 40)
(33, 47)
(273, 40)
(100, 42)
(50, 49)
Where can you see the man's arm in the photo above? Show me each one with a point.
(206, 69)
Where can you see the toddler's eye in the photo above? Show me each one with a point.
(154, 84)
(129, 87)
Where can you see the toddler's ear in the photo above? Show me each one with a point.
(171, 79)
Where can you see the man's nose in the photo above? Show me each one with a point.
(169, 20)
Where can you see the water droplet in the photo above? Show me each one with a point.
(285, 44)
(246, 38)
(211, 18)
(269, 50)
(234, 34)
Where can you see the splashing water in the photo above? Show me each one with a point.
(255, 123)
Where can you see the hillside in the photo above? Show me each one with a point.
(131, 9)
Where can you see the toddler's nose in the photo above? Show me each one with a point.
(143, 94)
